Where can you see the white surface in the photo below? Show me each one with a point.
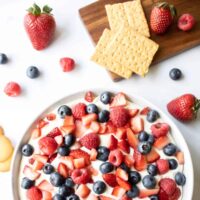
(72, 40)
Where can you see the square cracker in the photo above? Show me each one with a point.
(132, 50)
(108, 61)
(127, 14)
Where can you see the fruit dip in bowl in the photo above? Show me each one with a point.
(102, 145)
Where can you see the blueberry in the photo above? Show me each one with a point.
(152, 169)
(27, 150)
(27, 183)
(56, 179)
(58, 197)
(105, 97)
(143, 136)
(173, 164)
(180, 179)
(125, 167)
(170, 149)
(106, 167)
(69, 140)
(154, 197)
(65, 191)
(175, 74)
(151, 139)
(32, 72)
(103, 116)
(73, 197)
(152, 116)
(64, 111)
(63, 150)
(48, 168)
(149, 182)
(3, 58)
(144, 147)
(92, 108)
(99, 187)
(69, 183)
(103, 153)
(134, 177)
(133, 192)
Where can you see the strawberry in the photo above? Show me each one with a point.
(132, 139)
(80, 129)
(68, 121)
(34, 193)
(68, 129)
(176, 195)
(95, 127)
(52, 157)
(36, 133)
(42, 123)
(145, 111)
(119, 100)
(119, 116)
(41, 158)
(80, 176)
(37, 165)
(147, 193)
(118, 192)
(105, 198)
(125, 197)
(59, 140)
(63, 170)
(46, 195)
(83, 191)
(93, 154)
(30, 173)
(89, 96)
(54, 132)
(168, 185)
(160, 129)
(45, 185)
(124, 146)
(133, 112)
(163, 195)
(163, 166)
(112, 143)
(75, 146)
(124, 184)
(116, 157)
(12, 89)
(78, 153)
(88, 119)
(122, 174)
(79, 110)
(153, 156)
(67, 64)
(47, 145)
(180, 157)
(121, 133)
(140, 161)
(129, 160)
(137, 124)
(161, 17)
(40, 26)
(79, 163)
(90, 141)
(186, 22)
(110, 128)
(93, 171)
(110, 179)
(184, 108)
(161, 142)
(68, 161)
(51, 116)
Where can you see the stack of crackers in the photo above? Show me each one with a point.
(126, 48)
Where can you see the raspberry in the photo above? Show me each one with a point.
(116, 157)
(34, 193)
(55, 132)
(160, 129)
(186, 22)
(163, 166)
(90, 141)
(119, 116)
(79, 110)
(162, 195)
(168, 185)
(67, 64)
(175, 195)
(12, 89)
(89, 96)
(80, 176)
(110, 179)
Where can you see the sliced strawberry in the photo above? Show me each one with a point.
(103, 128)
(51, 116)
(75, 146)
(93, 154)
(68, 121)
(125, 197)
(59, 140)
(89, 96)
(122, 174)
(110, 128)
(36, 133)
(37, 165)
(31, 161)
(45, 185)
(80, 129)
(124, 146)
(180, 157)
(116, 157)
(153, 156)
(95, 127)
(140, 161)
(93, 171)
(112, 143)
(144, 111)
(132, 139)
(133, 112)
(161, 142)
(46, 195)
(68, 129)
(124, 184)
(78, 153)
(137, 124)
(42, 123)
(93, 197)
(163, 166)
(118, 192)
(129, 160)
(34, 193)
(147, 193)
(79, 163)
(121, 133)
(41, 158)
(55, 132)
(52, 158)
(110, 179)
(63, 170)
(89, 118)
(105, 198)
(119, 100)
(83, 191)
(29, 173)
(68, 161)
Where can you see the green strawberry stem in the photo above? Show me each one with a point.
(171, 7)
(196, 107)
(36, 10)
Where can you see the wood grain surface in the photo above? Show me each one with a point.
(173, 42)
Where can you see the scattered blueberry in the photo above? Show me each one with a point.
(27, 183)
(170, 149)
(152, 116)
(27, 150)
(152, 170)
(173, 164)
(134, 192)
(73, 197)
(92, 108)
(32, 72)
(149, 182)
(3, 58)
(69, 183)
(63, 150)
(64, 110)
(106, 167)
(143, 136)
(65, 191)
(175, 74)
(125, 167)
(103, 116)
(180, 179)
(48, 168)
(103, 153)
(151, 139)
(144, 147)
(154, 197)
(99, 187)
(134, 177)
(56, 179)
(105, 97)
(58, 197)
(69, 140)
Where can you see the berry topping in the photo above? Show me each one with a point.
(175, 74)
(144, 147)
(160, 129)
(112, 143)
(152, 116)
(58, 197)
(124, 146)
(27, 150)
(63, 170)
(63, 151)
(34, 193)
(65, 191)
(180, 179)
(99, 187)
(134, 177)
(133, 192)
(163, 166)
(140, 161)
(48, 168)
(56, 179)
(105, 97)
(116, 157)
(170, 149)
(67, 64)
(64, 111)
(149, 182)
(80, 176)
(186, 22)
(12, 89)
(119, 100)
(168, 185)
(83, 191)
(73, 197)
(102, 153)
(143, 136)
(27, 183)
(172, 164)
(69, 140)
(103, 116)
(79, 110)
(92, 108)
(106, 167)
(69, 182)
(3, 58)
(152, 170)
(78, 153)
(110, 179)
(89, 96)
(32, 72)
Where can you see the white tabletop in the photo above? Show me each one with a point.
(73, 40)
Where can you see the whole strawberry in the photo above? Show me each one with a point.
(40, 26)
(184, 108)
(161, 17)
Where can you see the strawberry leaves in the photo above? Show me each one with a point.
(36, 10)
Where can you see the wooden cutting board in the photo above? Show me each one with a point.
(173, 42)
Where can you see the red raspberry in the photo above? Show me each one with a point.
(89, 96)
(47, 145)
(160, 129)
(119, 116)
(79, 110)
(163, 195)
(163, 166)
(168, 185)
(176, 195)
(90, 141)
(80, 176)
(186, 22)
(110, 179)
(116, 157)
(12, 89)
(34, 193)
(67, 64)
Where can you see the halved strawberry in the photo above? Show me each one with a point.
(76, 145)
(93, 171)
(103, 128)
(144, 111)
(34, 193)
(153, 156)
(36, 133)
(83, 191)
(112, 143)
(163, 166)
(122, 174)
(125, 197)
(161, 142)
(95, 127)
(63, 170)
(51, 116)
(124, 184)
(37, 165)
(52, 157)
(105, 198)
(54, 132)
(41, 158)
(89, 118)
(121, 133)
(42, 123)
(68, 129)
(132, 139)
(59, 139)
(45, 185)
(140, 161)
(137, 124)
(46, 195)
(68, 161)
(79, 163)
(119, 100)
(147, 193)
(118, 192)
(78, 153)
(129, 160)
(133, 112)
(93, 154)
(110, 128)
(110, 179)
(30, 173)
(180, 157)
(80, 129)
(124, 146)
(92, 197)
